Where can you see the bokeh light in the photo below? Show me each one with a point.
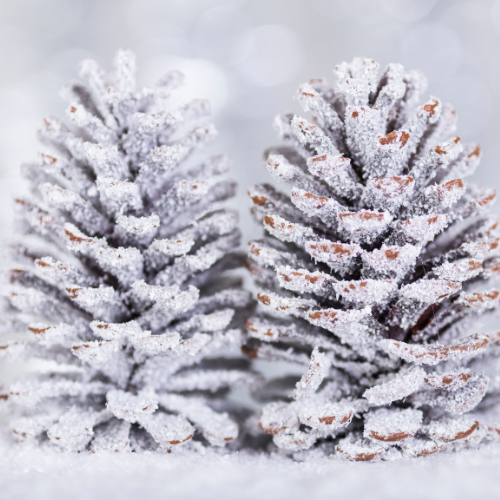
(248, 57)
(434, 48)
(273, 55)
(408, 10)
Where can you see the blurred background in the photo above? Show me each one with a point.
(247, 57)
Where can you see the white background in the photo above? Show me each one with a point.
(248, 57)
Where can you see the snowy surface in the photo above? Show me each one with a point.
(27, 472)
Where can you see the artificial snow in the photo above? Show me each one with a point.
(28, 472)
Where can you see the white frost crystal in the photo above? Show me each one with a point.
(370, 274)
(390, 425)
(135, 291)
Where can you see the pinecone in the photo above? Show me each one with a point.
(372, 272)
(123, 274)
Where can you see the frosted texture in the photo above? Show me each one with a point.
(372, 272)
(129, 286)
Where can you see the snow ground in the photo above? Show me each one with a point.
(32, 473)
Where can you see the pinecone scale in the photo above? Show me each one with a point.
(123, 275)
(376, 263)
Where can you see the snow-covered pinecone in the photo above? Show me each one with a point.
(369, 273)
(123, 273)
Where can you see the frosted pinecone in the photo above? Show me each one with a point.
(374, 269)
(123, 273)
